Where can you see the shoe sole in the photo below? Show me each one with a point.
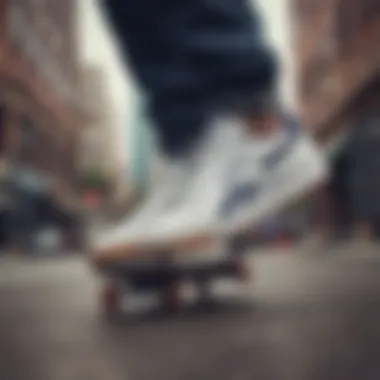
(138, 250)
(194, 243)
(314, 178)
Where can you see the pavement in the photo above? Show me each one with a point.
(302, 317)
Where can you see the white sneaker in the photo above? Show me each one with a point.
(232, 181)
(147, 228)
(288, 167)
(239, 182)
(134, 231)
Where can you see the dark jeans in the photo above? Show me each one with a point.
(194, 58)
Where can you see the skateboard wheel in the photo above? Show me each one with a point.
(171, 296)
(244, 271)
(111, 302)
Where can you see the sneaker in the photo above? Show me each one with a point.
(133, 231)
(229, 183)
(288, 167)
(145, 230)
(239, 182)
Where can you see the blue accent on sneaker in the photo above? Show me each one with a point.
(272, 159)
(245, 193)
(242, 193)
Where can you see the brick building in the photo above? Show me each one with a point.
(337, 60)
(338, 70)
(40, 113)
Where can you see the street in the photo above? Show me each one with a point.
(301, 318)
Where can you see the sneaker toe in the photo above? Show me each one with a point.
(117, 244)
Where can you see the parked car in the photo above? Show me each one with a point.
(32, 207)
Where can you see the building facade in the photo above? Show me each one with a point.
(337, 60)
(338, 84)
(40, 110)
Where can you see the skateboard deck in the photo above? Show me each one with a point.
(160, 272)
(141, 250)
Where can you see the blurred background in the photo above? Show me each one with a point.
(77, 153)
(75, 140)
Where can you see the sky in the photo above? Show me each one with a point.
(277, 23)
(96, 46)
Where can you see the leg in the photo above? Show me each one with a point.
(211, 83)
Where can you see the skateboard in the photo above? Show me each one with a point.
(163, 274)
